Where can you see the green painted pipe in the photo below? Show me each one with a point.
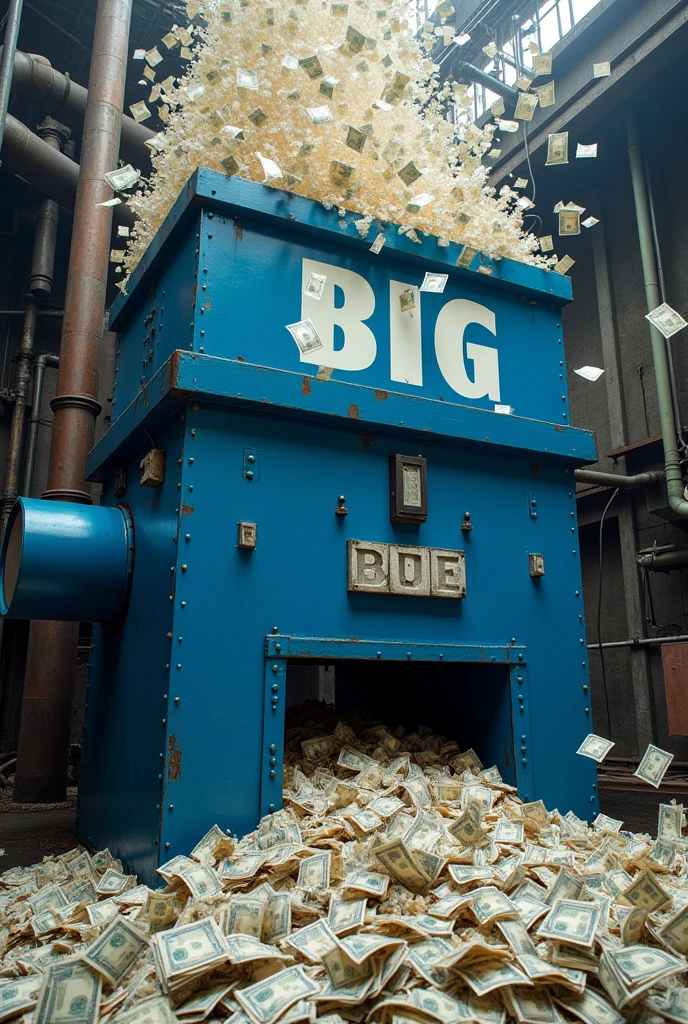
(672, 466)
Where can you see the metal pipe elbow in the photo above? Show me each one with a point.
(65, 562)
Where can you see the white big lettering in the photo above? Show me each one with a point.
(405, 348)
(360, 348)
(453, 319)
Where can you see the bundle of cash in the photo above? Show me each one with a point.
(401, 883)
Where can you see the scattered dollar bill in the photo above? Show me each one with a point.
(139, 111)
(409, 173)
(314, 288)
(557, 149)
(668, 322)
(569, 222)
(590, 222)
(593, 373)
(571, 921)
(655, 762)
(546, 94)
(586, 151)
(525, 106)
(563, 265)
(122, 178)
(319, 115)
(466, 256)
(595, 747)
(542, 64)
(70, 994)
(246, 79)
(670, 821)
(117, 949)
(407, 300)
(267, 1000)
(305, 335)
(646, 893)
(434, 282)
(602, 70)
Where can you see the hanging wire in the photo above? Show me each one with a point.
(530, 166)
(599, 615)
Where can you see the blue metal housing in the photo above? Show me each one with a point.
(185, 720)
(65, 561)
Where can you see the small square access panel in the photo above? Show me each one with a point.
(408, 489)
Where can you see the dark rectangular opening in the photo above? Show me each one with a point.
(464, 701)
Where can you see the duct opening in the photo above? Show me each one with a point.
(12, 560)
(466, 702)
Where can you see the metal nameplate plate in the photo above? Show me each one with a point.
(416, 571)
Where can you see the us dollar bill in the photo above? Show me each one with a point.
(571, 921)
(19, 995)
(117, 950)
(153, 1010)
(670, 821)
(70, 994)
(267, 1000)
(653, 766)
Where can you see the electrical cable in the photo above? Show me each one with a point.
(651, 619)
(599, 616)
(530, 166)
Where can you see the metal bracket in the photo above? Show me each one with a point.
(251, 464)
(272, 763)
(520, 717)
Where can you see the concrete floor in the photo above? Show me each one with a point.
(28, 836)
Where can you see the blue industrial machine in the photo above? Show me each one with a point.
(389, 492)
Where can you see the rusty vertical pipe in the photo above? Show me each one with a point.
(23, 382)
(54, 135)
(14, 14)
(44, 735)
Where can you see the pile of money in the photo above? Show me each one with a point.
(402, 882)
(342, 103)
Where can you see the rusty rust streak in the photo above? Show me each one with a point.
(240, 359)
(174, 762)
(534, 468)
(367, 441)
(353, 412)
(207, 304)
(306, 386)
(559, 429)
(188, 510)
(381, 396)
(239, 233)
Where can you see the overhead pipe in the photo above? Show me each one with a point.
(678, 419)
(44, 733)
(50, 172)
(662, 559)
(672, 464)
(592, 476)
(462, 69)
(54, 137)
(44, 360)
(640, 642)
(14, 13)
(35, 80)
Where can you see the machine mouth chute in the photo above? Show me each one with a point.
(64, 561)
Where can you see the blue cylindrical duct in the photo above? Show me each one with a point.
(65, 561)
